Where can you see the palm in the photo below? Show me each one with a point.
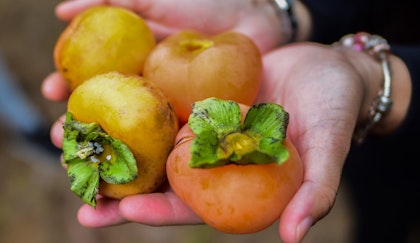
(156, 209)
(320, 127)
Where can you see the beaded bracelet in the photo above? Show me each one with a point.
(287, 7)
(377, 47)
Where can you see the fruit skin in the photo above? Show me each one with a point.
(102, 39)
(236, 199)
(135, 111)
(189, 66)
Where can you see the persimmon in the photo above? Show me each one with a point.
(190, 66)
(117, 136)
(238, 177)
(102, 39)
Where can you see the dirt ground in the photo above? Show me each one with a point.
(36, 204)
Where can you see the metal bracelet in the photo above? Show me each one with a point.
(287, 7)
(379, 48)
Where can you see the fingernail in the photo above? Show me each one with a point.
(303, 228)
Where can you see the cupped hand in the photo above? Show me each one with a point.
(324, 93)
(160, 208)
(155, 209)
(256, 19)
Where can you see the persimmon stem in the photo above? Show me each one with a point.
(85, 151)
(196, 44)
(238, 143)
(90, 148)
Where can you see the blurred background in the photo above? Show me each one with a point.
(36, 204)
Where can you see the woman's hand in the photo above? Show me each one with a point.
(257, 19)
(323, 94)
(155, 209)
(327, 92)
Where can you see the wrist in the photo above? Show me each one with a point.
(401, 96)
(385, 78)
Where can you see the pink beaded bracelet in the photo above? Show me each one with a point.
(377, 47)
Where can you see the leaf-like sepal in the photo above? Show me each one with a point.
(221, 138)
(91, 154)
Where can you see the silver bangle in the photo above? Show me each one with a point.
(379, 48)
(287, 7)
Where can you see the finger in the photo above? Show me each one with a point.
(57, 131)
(157, 209)
(161, 31)
(310, 204)
(317, 194)
(105, 214)
(55, 87)
(67, 10)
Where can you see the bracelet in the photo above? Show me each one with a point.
(287, 7)
(377, 47)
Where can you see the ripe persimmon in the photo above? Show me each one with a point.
(191, 66)
(118, 134)
(102, 39)
(236, 180)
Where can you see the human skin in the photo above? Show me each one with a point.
(325, 97)
(258, 20)
(327, 91)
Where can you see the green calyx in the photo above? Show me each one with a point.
(91, 155)
(221, 138)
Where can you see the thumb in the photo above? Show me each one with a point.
(316, 196)
(310, 204)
